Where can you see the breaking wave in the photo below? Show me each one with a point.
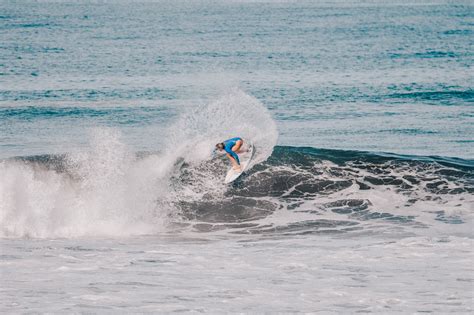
(109, 190)
(295, 191)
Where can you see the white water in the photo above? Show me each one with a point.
(242, 275)
(105, 192)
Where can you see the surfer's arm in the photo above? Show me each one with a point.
(233, 155)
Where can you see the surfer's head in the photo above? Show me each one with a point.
(220, 146)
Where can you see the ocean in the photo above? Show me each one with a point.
(359, 198)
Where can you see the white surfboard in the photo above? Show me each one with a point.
(245, 159)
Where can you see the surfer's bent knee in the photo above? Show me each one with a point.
(238, 144)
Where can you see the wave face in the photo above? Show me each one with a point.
(295, 191)
(307, 190)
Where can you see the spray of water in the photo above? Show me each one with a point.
(106, 190)
(234, 114)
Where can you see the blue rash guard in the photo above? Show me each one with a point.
(228, 144)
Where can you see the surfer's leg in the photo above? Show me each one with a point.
(235, 165)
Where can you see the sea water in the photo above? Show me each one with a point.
(359, 198)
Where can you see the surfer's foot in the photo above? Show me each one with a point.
(237, 168)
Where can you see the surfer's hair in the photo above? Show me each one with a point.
(220, 145)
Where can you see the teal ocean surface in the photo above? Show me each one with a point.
(374, 77)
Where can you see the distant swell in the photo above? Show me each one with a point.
(467, 95)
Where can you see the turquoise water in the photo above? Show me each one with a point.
(360, 197)
(376, 77)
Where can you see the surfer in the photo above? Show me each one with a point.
(232, 147)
